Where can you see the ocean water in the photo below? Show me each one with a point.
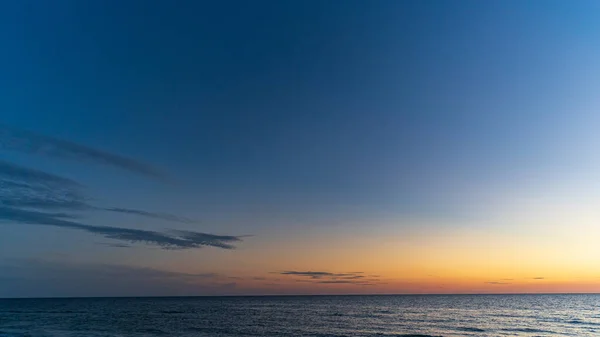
(324, 316)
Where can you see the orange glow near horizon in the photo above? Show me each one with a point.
(426, 260)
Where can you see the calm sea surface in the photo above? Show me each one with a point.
(459, 315)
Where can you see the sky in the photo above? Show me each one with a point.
(159, 148)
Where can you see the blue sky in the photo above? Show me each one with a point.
(275, 118)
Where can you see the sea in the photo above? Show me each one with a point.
(319, 316)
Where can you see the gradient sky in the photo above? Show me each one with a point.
(299, 147)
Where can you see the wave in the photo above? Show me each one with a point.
(470, 329)
(529, 330)
(172, 312)
(578, 321)
(153, 331)
(385, 312)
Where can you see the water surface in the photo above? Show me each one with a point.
(324, 316)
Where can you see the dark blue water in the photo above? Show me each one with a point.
(460, 315)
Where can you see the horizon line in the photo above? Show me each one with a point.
(298, 295)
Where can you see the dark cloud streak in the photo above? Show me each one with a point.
(319, 274)
(322, 277)
(34, 197)
(161, 216)
(171, 240)
(29, 188)
(14, 175)
(29, 142)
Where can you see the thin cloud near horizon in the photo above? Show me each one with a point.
(324, 277)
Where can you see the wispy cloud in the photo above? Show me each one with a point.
(344, 282)
(115, 245)
(161, 216)
(319, 274)
(23, 177)
(322, 277)
(30, 188)
(34, 197)
(539, 278)
(169, 240)
(29, 142)
(350, 277)
(25, 187)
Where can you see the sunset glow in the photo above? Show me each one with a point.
(300, 147)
